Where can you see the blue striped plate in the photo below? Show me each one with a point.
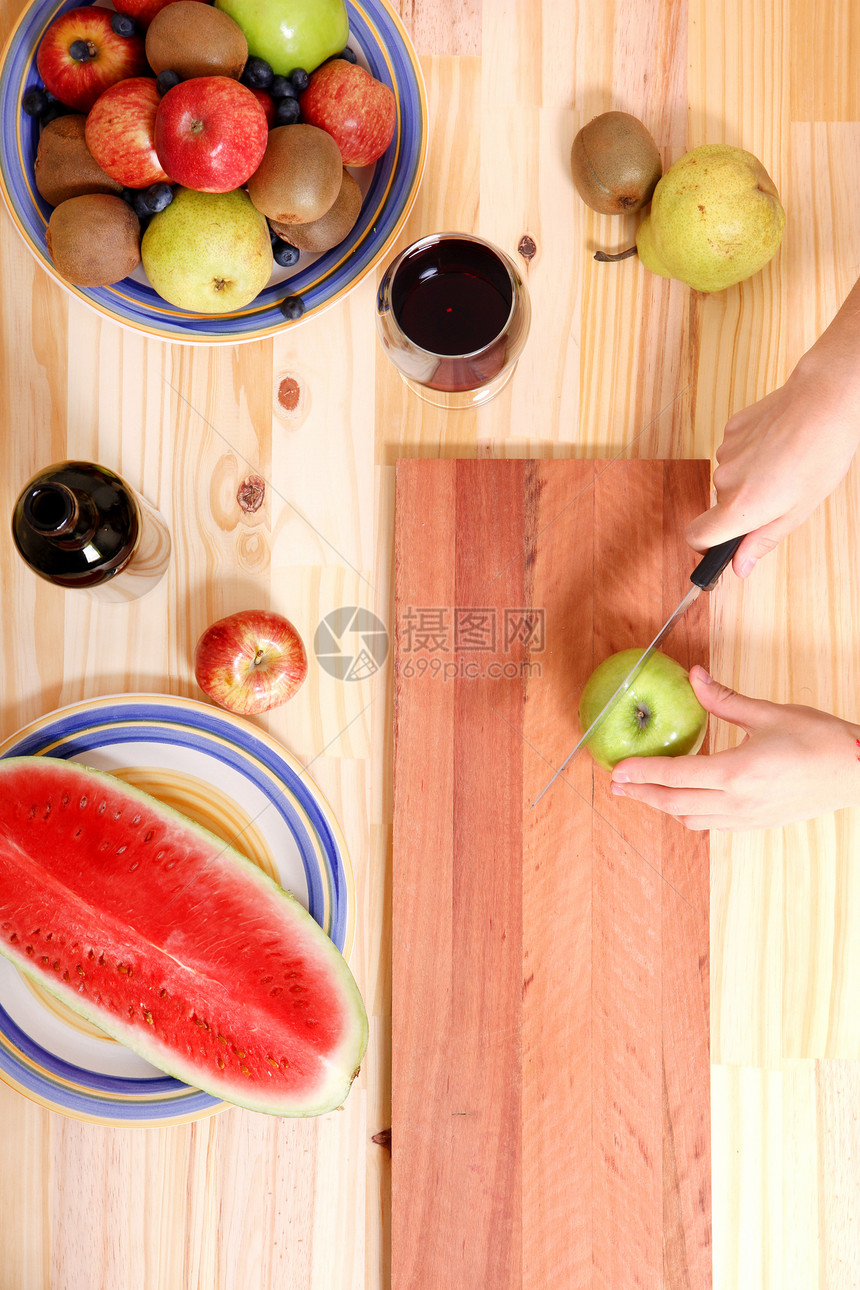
(390, 186)
(235, 780)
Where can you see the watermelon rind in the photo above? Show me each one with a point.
(105, 891)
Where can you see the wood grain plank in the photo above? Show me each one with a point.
(581, 1084)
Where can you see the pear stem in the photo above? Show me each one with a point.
(606, 257)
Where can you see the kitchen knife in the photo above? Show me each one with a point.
(704, 578)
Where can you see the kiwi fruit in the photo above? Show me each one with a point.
(615, 164)
(64, 166)
(94, 239)
(324, 233)
(194, 39)
(300, 175)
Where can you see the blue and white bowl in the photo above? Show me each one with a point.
(389, 187)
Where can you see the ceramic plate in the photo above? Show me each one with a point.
(234, 780)
(390, 187)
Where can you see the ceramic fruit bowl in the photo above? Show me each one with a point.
(389, 188)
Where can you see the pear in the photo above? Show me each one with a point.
(715, 219)
(208, 252)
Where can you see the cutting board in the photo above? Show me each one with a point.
(550, 1052)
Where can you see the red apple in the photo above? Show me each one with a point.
(120, 132)
(210, 133)
(358, 111)
(110, 58)
(250, 661)
(267, 103)
(143, 11)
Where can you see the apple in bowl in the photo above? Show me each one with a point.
(659, 715)
(250, 661)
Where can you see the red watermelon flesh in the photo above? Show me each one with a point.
(172, 942)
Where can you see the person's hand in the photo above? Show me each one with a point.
(779, 459)
(793, 763)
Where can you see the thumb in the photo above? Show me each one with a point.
(727, 704)
(719, 525)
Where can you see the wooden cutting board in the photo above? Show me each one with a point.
(550, 1054)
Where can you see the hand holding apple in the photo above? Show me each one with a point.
(250, 661)
(659, 713)
(794, 763)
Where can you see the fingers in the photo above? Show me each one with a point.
(727, 704)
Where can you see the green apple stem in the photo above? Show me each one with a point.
(643, 715)
(608, 257)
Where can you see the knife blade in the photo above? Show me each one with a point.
(704, 577)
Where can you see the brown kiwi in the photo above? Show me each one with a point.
(299, 178)
(194, 39)
(64, 166)
(94, 239)
(615, 163)
(324, 233)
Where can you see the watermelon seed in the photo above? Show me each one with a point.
(91, 954)
(147, 1016)
(171, 862)
(202, 1024)
(47, 811)
(56, 965)
(244, 1070)
(50, 936)
(66, 976)
(136, 820)
(45, 958)
(135, 864)
(83, 802)
(160, 855)
(275, 991)
(14, 937)
(80, 970)
(120, 850)
(124, 968)
(266, 980)
(221, 1063)
(285, 1063)
(148, 836)
(221, 1039)
(272, 1063)
(102, 806)
(162, 994)
(117, 814)
(104, 846)
(65, 799)
(78, 832)
(130, 1010)
(101, 960)
(240, 1055)
(29, 949)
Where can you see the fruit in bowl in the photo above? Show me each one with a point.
(80, 55)
(303, 280)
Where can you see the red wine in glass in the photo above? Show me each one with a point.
(453, 315)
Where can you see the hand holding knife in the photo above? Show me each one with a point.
(704, 578)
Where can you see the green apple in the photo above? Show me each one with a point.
(291, 34)
(208, 252)
(659, 715)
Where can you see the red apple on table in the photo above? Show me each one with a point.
(210, 133)
(358, 111)
(250, 661)
(120, 132)
(78, 82)
(143, 11)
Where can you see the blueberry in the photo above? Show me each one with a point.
(286, 255)
(79, 50)
(257, 74)
(165, 81)
(123, 24)
(157, 197)
(140, 204)
(52, 111)
(128, 195)
(282, 88)
(287, 112)
(35, 101)
(300, 80)
(347, 55)
(293, 307)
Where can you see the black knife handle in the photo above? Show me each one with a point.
(707, 572)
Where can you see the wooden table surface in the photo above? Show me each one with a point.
(619, 364)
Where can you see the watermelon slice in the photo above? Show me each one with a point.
(172, 942)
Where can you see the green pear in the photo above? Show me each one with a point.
(208, 252)
(715, 219)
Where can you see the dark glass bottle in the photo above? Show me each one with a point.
(76, 524)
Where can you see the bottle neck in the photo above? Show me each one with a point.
(51, 508)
